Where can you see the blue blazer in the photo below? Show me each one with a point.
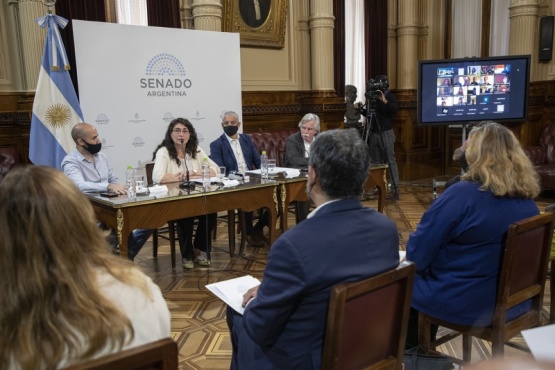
(222, 153)
(457, 248)
(284, 326)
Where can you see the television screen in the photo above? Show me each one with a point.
(466, 90)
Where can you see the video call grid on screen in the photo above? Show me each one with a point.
(468, 90)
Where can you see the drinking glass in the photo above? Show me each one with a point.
(271, 167)
(140, 184)
(221, 172)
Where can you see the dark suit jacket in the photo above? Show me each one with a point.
(284, 326)
(294, 151)
(222, 153)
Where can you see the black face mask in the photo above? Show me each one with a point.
(93, 148)
(230, 130)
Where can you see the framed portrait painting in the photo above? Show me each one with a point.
(260, 23)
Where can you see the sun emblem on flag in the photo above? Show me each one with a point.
(57, 115)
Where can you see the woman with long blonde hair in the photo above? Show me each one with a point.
(66, 298)
(458, 244)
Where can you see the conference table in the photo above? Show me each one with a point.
(294, 189)
(125, 214)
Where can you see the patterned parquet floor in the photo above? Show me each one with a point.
(198, 317)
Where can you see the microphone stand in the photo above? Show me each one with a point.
(186, 184)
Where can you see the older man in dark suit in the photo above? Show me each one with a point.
(284, 321)
(297, 150)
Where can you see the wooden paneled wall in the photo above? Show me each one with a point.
(422, 152)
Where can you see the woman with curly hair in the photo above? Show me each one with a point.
(458, 244)
(66, 297)
(180, 145)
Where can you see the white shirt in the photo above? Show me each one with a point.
(238, 152)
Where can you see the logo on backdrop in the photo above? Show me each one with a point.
(165, 76)
(200, 137)
(105, 144)
(136, 119)
(102, 119)
(197, 117)
(138, 142)
(168, 117)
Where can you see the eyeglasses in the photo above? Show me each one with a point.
(307, 128)
(178, 131)
(230, 123)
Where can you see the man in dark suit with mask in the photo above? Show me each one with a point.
(237, 153)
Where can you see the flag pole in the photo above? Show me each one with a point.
(49, 4)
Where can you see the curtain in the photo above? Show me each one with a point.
(132, 12)
(466, 18)
(500, 28)
(339, 47)
(163, 13)
(355, 71)
(90, 10)
(375, 19)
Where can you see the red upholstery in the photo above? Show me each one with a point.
(543, 157)
(273, 142)
(9, 158)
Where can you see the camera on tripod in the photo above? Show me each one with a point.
(373, 88)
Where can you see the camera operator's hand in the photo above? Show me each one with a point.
(382, 97)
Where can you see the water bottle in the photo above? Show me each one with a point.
(130, 177)
(205, 173)
(264, 165)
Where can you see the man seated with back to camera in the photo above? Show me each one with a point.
(284, 323)
(237, 153)
(382, 137)
(297, 151)
(89, 169)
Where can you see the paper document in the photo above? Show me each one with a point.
(230, 183)
(231, 291)
(541, 341)
(212, 179)
(286, 171)
(158, 190)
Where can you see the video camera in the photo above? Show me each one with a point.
(374, 89)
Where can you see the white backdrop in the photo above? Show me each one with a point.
(134, 80)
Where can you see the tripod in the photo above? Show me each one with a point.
(372, 128)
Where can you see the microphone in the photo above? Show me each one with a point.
(186, 184)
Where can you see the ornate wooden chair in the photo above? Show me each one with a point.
(522, 277)
(367, 321)
(159, 355)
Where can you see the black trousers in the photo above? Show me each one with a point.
(203, 234)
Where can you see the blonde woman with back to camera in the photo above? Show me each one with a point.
(66, 297)
(458, 244)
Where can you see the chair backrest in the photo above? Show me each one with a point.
(159, 355)
(9, 158)
(367, 321)
(149, 167)
(524, 265)
(273, 142)
(547, 140)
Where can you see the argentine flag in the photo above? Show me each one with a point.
(56, 108)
